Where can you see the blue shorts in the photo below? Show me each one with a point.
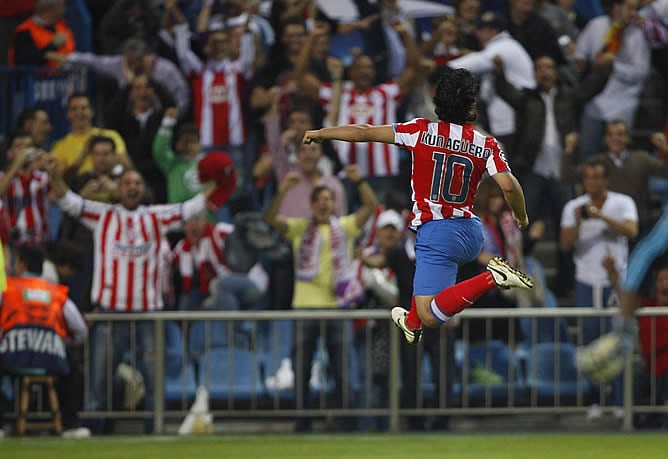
(440, 248)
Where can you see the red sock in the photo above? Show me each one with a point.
(458, 297)
(412, 319)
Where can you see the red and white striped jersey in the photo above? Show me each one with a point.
(217, 103)
(218, 89)
(128, 249)
(449, 161)
(26, 203)
(376, 106)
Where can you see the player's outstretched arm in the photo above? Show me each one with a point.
(352, 133)
(514, 196)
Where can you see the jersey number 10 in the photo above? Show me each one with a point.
(458, 171)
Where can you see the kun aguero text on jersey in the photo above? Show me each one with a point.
(463, 146)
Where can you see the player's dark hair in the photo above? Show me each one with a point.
(32, 256)
(597, 162)
(456, 96)
(101, 139)
(319, 189)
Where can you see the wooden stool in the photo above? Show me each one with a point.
(22, 424)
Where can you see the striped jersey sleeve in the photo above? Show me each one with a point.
(496, 162)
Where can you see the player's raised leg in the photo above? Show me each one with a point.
(436, 310)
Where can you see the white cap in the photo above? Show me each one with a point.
(390, 218)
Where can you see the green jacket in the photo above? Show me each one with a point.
(181, 172)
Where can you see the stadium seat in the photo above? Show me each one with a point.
(552, 371)
(503, 364)
(230, 374)
(546, 329)
(211, 334)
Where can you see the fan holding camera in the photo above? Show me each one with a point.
(597, 225)
(24, 188)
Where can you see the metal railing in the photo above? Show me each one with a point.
(513, 395)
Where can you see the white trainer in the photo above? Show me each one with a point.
(77, 433)
(399, 319)
(506, 276)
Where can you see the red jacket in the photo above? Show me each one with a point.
(654, 330)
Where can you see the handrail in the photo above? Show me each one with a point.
(330, 314)
(393, 410)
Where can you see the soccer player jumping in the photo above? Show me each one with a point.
(449, 160)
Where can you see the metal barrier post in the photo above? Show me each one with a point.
(628, 394)
(159, 389)
(394, 379)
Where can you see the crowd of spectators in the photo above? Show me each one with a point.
(181, 81)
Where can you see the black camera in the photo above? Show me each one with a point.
(584, 211)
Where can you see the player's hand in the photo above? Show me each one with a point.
(106, 184)
(59, 39)
(353, 172)
(593, 211)
(172, 112)
(604, 60)
(571, 141)
(127, 71)
(521, 222)
(400, 27)
(537, 230)
(53, 166)
(335, 68)
(498, 63)
(366, 22)
(313, 137)
(608, 262)
(288, 136)
(290, 181)
(54, 56)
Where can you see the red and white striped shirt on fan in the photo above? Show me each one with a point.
(376, 106)
(208, 257)
(218, 89)
(128, 249)
(26, 203)
(449, 161)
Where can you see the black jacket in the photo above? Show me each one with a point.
(530, 114)
(138, 138)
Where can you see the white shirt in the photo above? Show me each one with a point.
(518, 69)
(629, 70)
(548, 161)
(595, 238)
